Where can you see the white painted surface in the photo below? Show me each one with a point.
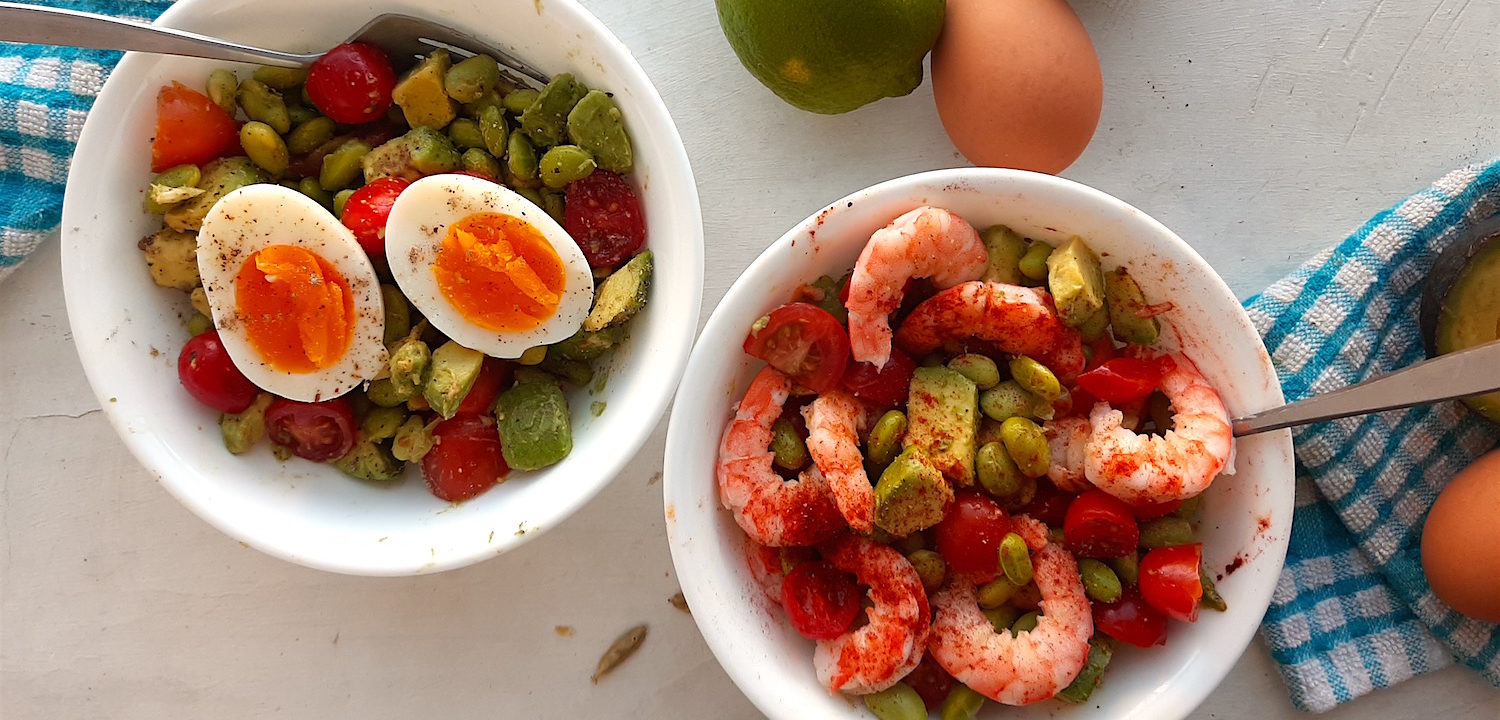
(1288, 128)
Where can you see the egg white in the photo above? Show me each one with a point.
(415, 230)
(258, 216)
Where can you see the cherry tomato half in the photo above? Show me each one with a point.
(1131, 620)
(803, 341)
(209, 375)
(1121, 379)
(1170, 581)
(352, 83)
(602, 213)
(930, 681)
(466, 460)
(820, 600)
(319, 431)
(969, 536)
(886, 387)
(367, 210)
(494, 375)
(1100, 525)
(1049, 504)
(190, 129)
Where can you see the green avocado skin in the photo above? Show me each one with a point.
(1470, 315)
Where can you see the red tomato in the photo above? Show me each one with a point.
(1101, 351)
(886, 387)
(602, 214)
(969, 536)
(820, 600)
(466, 460)
(1152, 511)
(367, 210)
(1049, 505)
(190, 129)
(803, 341)
(494, 375)
(1121, 380)
(205, 370)
(1100, 525)
(1131, 620)
(930, 681)
(352, 83)
(1170, 581)
(319, 431)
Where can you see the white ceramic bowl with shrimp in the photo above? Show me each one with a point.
(1247, 515)
(129, 331)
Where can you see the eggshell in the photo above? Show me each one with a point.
(1017, 83)
(1461, 541)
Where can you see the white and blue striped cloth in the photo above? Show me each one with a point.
(45, 93)
(1353, 611)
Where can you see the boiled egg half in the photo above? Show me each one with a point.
(296, 301)
(485, 266)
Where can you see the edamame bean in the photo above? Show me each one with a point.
(884, 443)
(311, 188)
(596, 125)
(787, 446)
(1190, 508)
(516, 101)
(1007, 400)
(520, 158)
(383, 393)
(306, 137)
(264, 146)
(535, 197)
(897, 702)
(1027, 445)
(1015, 559)
(1001, 618)
(911, 543)
(1099, 582)
(565, 164)
(340, 199)
(1127, 568)
(469, 79)
(998, 474)
(1035, 378)
(299, 114)
(1033, 264)
(490, 99)
(1023, 498)
(262, 103)
(397, 313)
(533, 356)
(1025, 623)
(465, 134)
(173, 186)
(344, 166)
(1166, 532)
(978, 368)
(476, 160)
(960, 704)
(1211, 598)
(199, 324)
(996, 592)
(381, 423)
(221, 88)
(279, 77)
(493, 130)
(930, 568)
(555, 205)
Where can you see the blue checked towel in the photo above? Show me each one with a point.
(45, 93)
(1353, 611)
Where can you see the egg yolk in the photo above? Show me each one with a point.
(499, 272)
(296, 308)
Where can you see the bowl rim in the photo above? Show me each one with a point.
(157, 458)
(680, 438)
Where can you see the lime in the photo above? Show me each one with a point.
(832, 56)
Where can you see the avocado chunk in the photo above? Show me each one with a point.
(417, 154)
(545, 121)
(450, 377)
(535, 428)
(622, 294)
(172, 258)
(1088, 678)
(1470, 314)
(1006, 247)
(422, 96)
(370, 461)
(587, 344)
(1076, 282)
(911, 495)
(1129, 313)
(219, 178)
(943, 421)
(242, 430)
(596, 125)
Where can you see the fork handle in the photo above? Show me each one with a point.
(52, 26)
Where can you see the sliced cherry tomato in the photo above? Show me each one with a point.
(803, 341)
(1170, 581)
(367, 210)
(1049, 504)
(886, 387)
(494, 375)
(1152, 511)
(1100, 525)
(602, 213)
(319, 431)
(190, 129)
(1101, 351)
(930, 681)
(209, 375)
(1131, 620)
(466, 460)
(820, 600)
(352, 83)
(969, 536)
(1122, 379)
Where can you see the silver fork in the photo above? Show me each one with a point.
(403, 37)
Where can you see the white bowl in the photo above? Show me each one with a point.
(1247, 517)
(128, 331)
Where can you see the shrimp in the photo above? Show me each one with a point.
(834, 421)
(771, 511)
(927, 243)
(768, 565)
(1068, 439)
(1175, 465)
(1017, 320)
(1028, 667)
(880, 653)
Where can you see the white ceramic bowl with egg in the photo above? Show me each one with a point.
(129, 332)
(1247, 515)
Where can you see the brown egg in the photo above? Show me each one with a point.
(1017, 83)
(1461, 541)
